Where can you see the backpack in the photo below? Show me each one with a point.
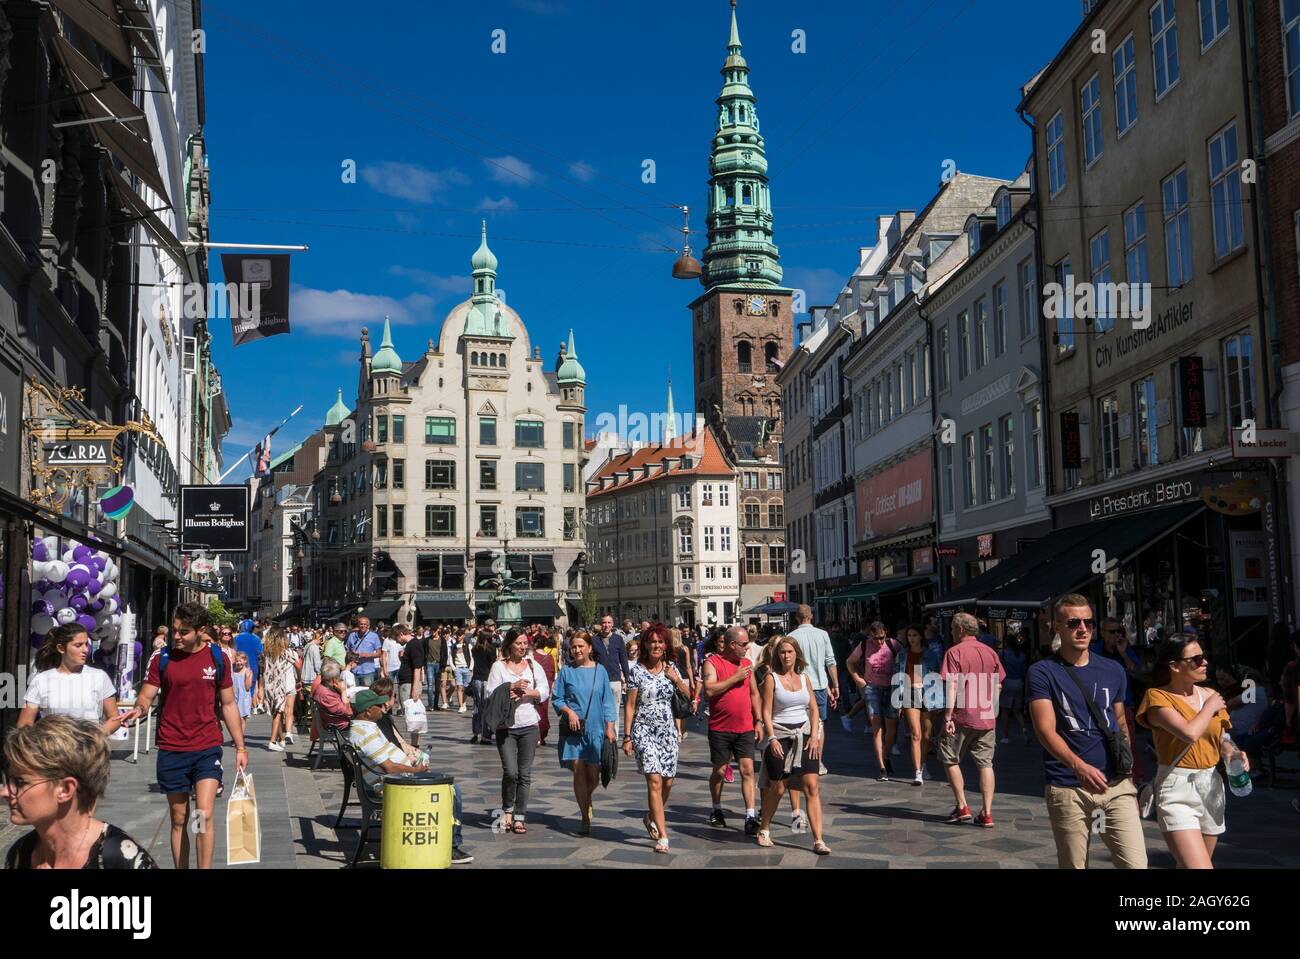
(218, 661)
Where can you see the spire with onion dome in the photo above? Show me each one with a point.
(386, 359)
(338, 412)
(571, 370)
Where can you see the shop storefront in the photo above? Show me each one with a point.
(961, 560)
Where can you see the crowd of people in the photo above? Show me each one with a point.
(1099, 705)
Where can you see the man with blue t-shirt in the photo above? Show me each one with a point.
(368, 648)
(1084, 792)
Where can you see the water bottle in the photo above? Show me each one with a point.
(1238, 779)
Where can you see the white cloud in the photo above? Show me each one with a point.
(820, 284)
(344, 313)
(407, 181)
(435, 282)
(503, 205)
(581, 170)
(510, 169)
(408, 220)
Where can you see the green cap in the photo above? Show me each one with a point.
(365, 699)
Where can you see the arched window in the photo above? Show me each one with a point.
(501, 359)
(473, 359)
(776, 308)
(743, 356)
(769, 356)
(739, 306)
(746, 195)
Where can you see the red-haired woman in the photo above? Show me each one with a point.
(652, 729)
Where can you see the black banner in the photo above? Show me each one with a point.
(1071, 442)
(214, 518)
(257, 289)
(11, 427)
(1191, 382)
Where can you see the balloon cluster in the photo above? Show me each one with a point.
(77, 586)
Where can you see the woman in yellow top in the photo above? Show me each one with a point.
(1187, 722)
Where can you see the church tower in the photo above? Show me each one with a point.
(742, 327)
(742, 323)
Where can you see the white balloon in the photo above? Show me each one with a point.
(42, 624)
(108, 590)
(39, 570)
(55, 597)
(66, 615)
(67, 555)
(111, 604)
(57, 572)
(51, 545)
(117, 619)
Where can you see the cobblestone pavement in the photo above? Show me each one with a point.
(869, 824)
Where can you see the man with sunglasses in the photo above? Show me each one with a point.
(334, 647)
(1085, 793)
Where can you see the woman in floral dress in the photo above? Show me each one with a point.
(653, 731)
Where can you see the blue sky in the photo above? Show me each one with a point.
(546, 141)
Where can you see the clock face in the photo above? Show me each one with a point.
(758, 306)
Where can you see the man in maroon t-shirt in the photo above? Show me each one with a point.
(734, 722)
(189, 731)
(972, 675)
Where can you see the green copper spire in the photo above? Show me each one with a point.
(484, 318)
(338, 412)
(571, 370)
(740, 251)
(669, 431)
(386, 360)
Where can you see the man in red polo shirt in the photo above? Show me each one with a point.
(734, 722)
(972, 675)
(194, 684)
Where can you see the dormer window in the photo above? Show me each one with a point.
(973, 237)
(1004, 209)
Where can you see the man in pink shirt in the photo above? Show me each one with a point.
(972, 675)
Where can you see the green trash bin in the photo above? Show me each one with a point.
(418, 821)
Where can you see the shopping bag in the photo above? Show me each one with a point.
(417, 721)
(243, 830)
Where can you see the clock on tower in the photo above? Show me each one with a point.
(757, 305)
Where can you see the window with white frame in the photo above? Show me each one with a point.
(1214, 20)
(684, 540)
(1164, 46)
(1027, 284)
(1065, 322)
(724, 494)
(1102, 281)
(1146, 428)
(709, 538)
(1239, 378)
(943, 369)
(989, 457)
(1056, 154)
(1004, 209)
(963, 344)
(907, 377)
(971, 468)
(981, 333)
(724, 539)
(902, 389)
(1290, 10)
(1178, 228)
(684, 497)
(1007, 443)
(1137, 271)
(1034, 459)
(1225, 192)
(1108, 434)
(1000, 318)
(1126, 94)
(945, 476)
(1090, 108)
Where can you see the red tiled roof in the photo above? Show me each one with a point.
(704, 447)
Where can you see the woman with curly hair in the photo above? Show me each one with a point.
(279, 686)
(652, 681)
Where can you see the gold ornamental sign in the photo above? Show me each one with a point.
(68, 450)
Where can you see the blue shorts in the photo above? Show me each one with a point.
(823, 699)
(880, 702)
(180, 772)
(463, 674)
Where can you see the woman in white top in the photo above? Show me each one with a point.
(518, 745)
(794, 745)
(65, 686)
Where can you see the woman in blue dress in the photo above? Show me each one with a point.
(585, 703)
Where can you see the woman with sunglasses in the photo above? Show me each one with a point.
(55, 773)
(1187, 723)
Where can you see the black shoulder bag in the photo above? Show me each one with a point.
(1117, 747)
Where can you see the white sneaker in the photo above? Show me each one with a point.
(918, 778)
(462, 708)
(289, 738)
(275, 747)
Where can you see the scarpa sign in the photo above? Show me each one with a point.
(214, 519)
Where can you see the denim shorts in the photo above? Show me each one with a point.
(463, 674)
(880, 702)
(823, 698)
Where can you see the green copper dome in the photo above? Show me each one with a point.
(386, 360)
(338, 412)
(483, 259)
(571, 370)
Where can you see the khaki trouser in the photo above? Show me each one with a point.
(1076, 815)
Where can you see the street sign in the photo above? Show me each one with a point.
(214, 518)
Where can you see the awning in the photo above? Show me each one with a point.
(543, 563)
(1069, 569)
(518, 563)
(148, 217)
(138, 27)
(865, 591)
(381, 610)
(773, 609)
(100, 19)
(539, 609)
(121, 129)
(483, 561)
(453, 563)
(436, 610)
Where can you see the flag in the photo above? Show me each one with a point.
(262, 455)
(257, 292)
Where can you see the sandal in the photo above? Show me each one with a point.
(518, 828)
(585, 828)
(661, 845)
(821, 849)
(650, 826)
(765, 838)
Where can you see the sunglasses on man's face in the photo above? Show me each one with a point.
(1074, 622)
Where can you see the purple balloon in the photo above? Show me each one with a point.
(87, 622)
(41, 608)
(94, 586)
(82, 554)
(99, 563)
(79, 603)
(39, 552)
(77, 578)
(96, 606)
